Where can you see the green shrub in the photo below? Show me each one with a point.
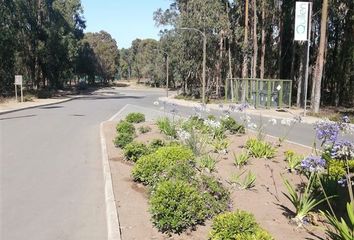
(167, 127)
(293, 160)
(125, 127)
(135, 118)
(44, 93)
(238, 225)
(247, 182)
(207, 162)
(156, 144)
(123, 139)
(193, 122)
(232, 126)
(216, 196)
(220, 144)
(176, 206)
(151, 168)
(144, 129)
(134, 150)
(260, 149)
(241, 159)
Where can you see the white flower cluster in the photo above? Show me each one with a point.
(246, 119)
(183, 135)
(287, 121)
(212, 123)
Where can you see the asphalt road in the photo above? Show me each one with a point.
(51, 176)
(51, 181)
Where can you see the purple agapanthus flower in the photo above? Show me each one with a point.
(313, 164)
(327, 131)
(343, 150)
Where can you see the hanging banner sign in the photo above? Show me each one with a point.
(301, 21)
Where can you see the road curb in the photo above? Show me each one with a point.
(113, 226)
(39, 105)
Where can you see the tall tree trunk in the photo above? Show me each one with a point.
(255, 40)
(320, 58)
(261, 69)
(245, 54)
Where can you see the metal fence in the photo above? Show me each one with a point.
(262, 93)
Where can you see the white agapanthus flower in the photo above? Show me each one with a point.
(246, 118)
(287, 121)
(252, 125)
(183, 135)
(212, 123)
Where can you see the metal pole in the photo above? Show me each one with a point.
(167, 75)
(204, 66)
(16, 91)
(21, 93)
(307, 56)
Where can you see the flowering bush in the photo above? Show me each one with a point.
(343, 150)
(313, 164)
(327, 131)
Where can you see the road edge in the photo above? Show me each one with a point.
(113, 226)
(39, 105)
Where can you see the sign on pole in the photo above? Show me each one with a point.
(301, 21)
(302, 32)
(18, 81)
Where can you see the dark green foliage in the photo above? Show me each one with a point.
(216, 196)
(260, 149)
(232, 126)
(156, 144)
(123, 139)
(125, 127)
(134, 150)
(164, 162)
(44, 93)
(175, 206)
(135, 117)
(238, 225)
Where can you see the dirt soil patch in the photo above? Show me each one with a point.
(266, 201)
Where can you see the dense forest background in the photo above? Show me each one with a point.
(45, 42)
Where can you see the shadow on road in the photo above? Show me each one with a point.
(95, 97)
(25, 116)
(51, 107)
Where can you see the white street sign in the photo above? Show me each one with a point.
(18, 79)
(301, 21)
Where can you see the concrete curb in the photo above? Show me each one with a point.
(113, 226)
(39, 105)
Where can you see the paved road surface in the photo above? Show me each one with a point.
(51, 170)
(51, 178)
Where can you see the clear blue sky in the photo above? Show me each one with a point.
(125, 20)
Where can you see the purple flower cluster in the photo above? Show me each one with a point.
(343, 150)
(313, 164)
(327, 131)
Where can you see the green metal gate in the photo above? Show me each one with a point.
(262, 93)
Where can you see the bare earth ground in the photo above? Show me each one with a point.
(265, 201)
